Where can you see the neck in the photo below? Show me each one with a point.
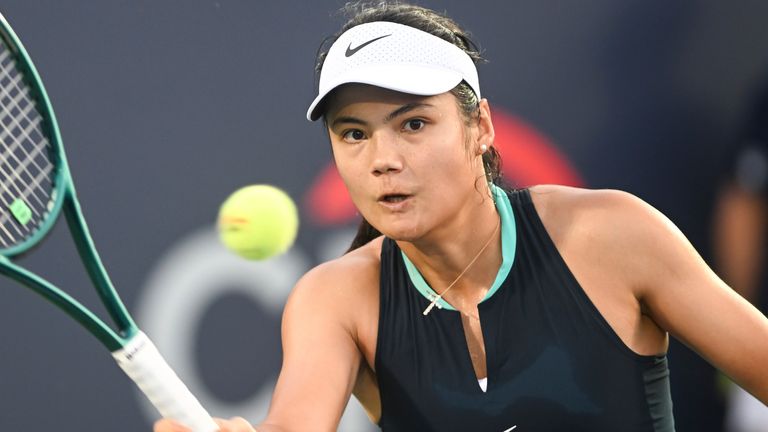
(447, 253)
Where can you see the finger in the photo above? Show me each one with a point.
(235, 424)
(167, 425)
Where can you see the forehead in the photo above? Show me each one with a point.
(351, 98)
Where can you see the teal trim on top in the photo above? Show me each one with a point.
(508, 239)
(508, 248)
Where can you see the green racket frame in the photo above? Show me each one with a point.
(64, 191)
(132, 349)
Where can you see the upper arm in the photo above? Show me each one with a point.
(320, 356)
(683, 295)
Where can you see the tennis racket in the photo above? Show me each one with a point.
(35, 188)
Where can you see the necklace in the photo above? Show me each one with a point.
(485, 246)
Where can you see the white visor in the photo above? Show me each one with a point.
(395, 57)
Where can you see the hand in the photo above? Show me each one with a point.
(235, 424)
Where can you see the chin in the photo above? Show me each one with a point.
(402, 231)
(401, 226)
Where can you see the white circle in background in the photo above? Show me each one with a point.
(186, 281)
(745, 412)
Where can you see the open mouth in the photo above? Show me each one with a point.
(393, 198)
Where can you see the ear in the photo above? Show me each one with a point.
(485, 133)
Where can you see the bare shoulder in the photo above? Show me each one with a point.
(602, 214)
(341, 288)
(559, 198)
(343, 274)
(629, 237)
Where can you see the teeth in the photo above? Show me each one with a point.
(394, 198)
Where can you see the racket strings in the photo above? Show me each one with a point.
(26, 169)
(9, 158)
(22, 108)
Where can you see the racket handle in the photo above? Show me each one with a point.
(143, 363)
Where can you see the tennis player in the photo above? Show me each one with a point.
(465, 306)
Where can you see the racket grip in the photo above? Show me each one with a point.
(143, 363)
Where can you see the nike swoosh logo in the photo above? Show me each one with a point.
(351, 51)
(513, 427)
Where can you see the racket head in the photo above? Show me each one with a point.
(34, 177)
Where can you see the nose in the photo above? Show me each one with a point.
(387, 156)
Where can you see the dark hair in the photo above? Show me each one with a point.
(438, 25)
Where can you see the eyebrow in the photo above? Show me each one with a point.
(404, 109)
(398, 112)
(347, 119)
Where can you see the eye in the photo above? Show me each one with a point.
(353, 135)
(414, 125)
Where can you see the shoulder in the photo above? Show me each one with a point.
(611, 227)
(556, 198)
(598, 211)
(340, 288)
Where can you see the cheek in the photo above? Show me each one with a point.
(353, 177)
(451, 162)
(452, 175)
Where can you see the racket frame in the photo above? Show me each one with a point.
(64, 199)
(132, 349)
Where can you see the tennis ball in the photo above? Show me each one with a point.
(258, 222)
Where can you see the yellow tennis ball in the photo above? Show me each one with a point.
(258, 222)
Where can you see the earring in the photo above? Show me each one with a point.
(483, 148)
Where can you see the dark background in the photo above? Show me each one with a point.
(168, 106)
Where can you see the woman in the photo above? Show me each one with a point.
(478, 309)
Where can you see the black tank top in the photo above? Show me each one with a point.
(553, 362)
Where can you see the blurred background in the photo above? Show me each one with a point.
(168, 106)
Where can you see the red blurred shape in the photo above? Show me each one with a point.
(528, 157)
(327, 200)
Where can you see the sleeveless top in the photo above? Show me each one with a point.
(553, 362)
